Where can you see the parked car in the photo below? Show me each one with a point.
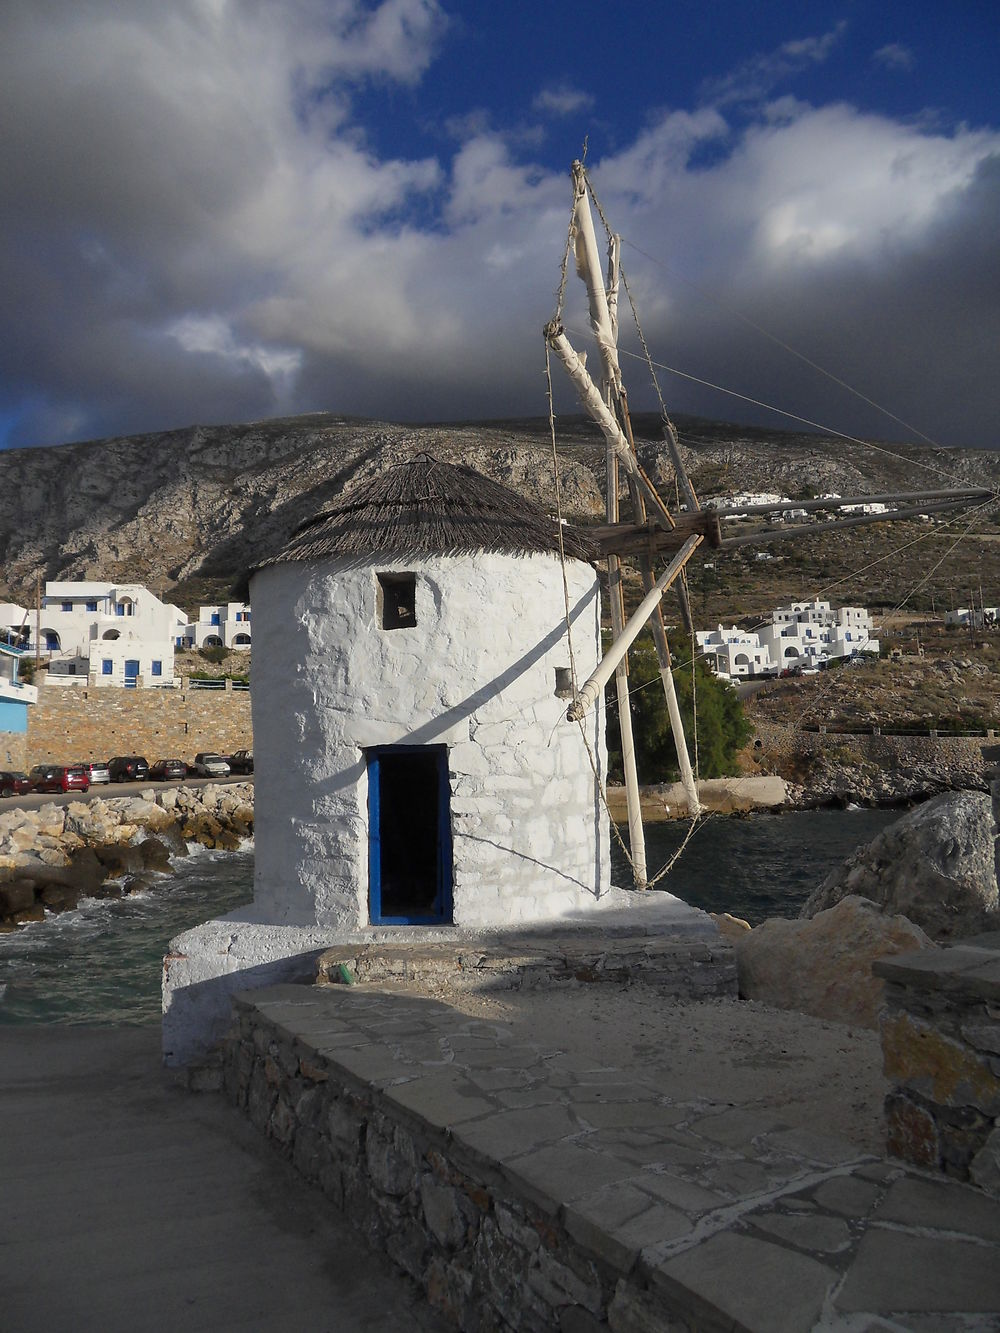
(14, 784)
(59, 777)
(97, 770)
(167, 770)
(210, 765)
(241, 761)
(128, 768)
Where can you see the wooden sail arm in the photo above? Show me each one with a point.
(851, 521)
(588, 267)
(591, 690)
(599, 411)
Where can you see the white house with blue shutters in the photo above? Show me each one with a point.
(16, 696)
(224, 626)
(108, 634)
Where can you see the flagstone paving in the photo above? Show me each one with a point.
(709, 1216)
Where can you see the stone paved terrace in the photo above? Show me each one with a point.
(528, 1185)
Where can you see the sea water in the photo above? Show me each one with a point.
(102, 962)
(754, 866)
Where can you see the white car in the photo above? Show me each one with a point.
(210, 766)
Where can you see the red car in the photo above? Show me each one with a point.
(59, 777)
(14, 784)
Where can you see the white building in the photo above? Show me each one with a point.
(16, 624)
(810, 633)
(979, 617)
(732, 652)
(15, 698)
(108, 634)
(803, 634)
(414, 765)
(224, 626)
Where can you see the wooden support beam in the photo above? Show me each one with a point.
(634, 539)
(589, 692)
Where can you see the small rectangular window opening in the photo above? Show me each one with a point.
(397, 600)
(564, 683)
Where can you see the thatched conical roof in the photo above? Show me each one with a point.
(426, 507)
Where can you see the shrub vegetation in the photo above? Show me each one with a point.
(722, 730)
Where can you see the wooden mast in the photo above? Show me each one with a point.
(608, 407)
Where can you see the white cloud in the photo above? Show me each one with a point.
(895, 57)
(562, 100)
(193, 226)
(755, 79)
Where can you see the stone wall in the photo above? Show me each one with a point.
(488, 1257)
(68, 725)
(887, 751)
(941, 1046)
(14, 750)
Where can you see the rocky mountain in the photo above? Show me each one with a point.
(186, 511)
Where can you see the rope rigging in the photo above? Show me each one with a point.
(609, 409)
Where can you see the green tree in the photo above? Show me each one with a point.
(722, 729)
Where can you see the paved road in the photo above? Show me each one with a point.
(127, 1203)
(104, 790)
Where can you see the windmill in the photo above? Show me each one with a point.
(651, 529)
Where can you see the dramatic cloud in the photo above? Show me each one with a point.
(196, 224)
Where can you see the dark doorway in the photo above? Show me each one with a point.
(409, 820)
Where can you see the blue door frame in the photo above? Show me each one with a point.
(131, 673)
(429, 765)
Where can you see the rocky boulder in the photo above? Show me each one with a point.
(935, 866)
(823, 966)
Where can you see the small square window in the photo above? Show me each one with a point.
(397, 600)
(67, 606)
(91, 606)
(564, 683)
(157, 668)
(105, 667)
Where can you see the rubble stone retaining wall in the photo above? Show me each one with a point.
(962, 752)
(487, 1257)
(941, 1045)
(67, 725)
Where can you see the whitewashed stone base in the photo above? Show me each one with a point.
(206, 966)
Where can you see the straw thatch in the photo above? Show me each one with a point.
(426, 507)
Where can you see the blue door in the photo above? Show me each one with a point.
(409, 836)
(131, 673)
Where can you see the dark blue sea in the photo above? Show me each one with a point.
(101, 963)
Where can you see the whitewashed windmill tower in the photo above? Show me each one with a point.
(411, 670)
(426, 755)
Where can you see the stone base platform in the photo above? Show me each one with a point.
(530, 1185)
(652, 937)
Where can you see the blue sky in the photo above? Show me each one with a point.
(216, 210)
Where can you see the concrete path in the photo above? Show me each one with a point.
(129, 1204)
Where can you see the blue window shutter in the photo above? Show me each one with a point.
(105, 667)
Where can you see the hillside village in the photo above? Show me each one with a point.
(186, 512)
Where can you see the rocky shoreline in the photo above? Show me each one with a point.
(52, 857)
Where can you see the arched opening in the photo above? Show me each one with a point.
(241, 641)
(52, 642)
(212, 641)
(110, 634)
